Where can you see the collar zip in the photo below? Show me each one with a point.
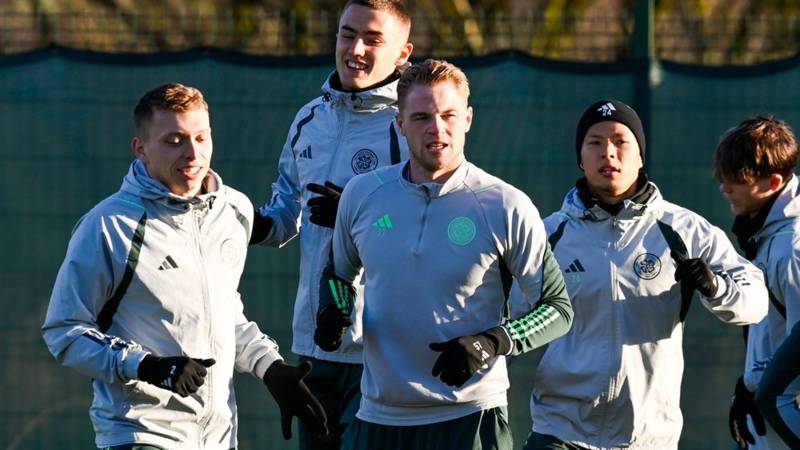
(357, 101)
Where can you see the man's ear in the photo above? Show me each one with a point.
(405, 53)
(138, 149)
(399, 121)
(776, 182)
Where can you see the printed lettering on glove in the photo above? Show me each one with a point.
(179, 374)
(461, 357)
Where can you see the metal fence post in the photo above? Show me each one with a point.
(646, 67)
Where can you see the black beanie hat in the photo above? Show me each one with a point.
(613, 110)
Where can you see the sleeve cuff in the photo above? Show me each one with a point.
(263, 364)
(130, 364)
(510, 347)
(722, 287)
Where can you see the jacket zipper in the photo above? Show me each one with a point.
(424, 219)
(313, 276)
(199, 247)
(611, 386)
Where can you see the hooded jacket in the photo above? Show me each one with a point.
(613, 381)
(778, 256)
(777, 249)
(149, 272)
(332, 138)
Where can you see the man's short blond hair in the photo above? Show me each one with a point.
(167, 97)
(754, 149)
(429, 73)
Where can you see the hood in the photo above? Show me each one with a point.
(574, 207)
(139, 183)
(786, 209)
(376, 98)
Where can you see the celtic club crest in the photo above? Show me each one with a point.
(365, 160)
(647, 266)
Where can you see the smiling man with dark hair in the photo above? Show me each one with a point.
(348, 130)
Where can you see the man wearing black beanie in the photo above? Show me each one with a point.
(631, 262)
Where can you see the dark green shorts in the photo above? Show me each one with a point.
(338, 388)
(537, 441)
(483, 430)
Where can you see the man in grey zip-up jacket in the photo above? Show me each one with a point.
(439, 241)
(146, 302)
(631, 262)
(755, 163)
(347, 131)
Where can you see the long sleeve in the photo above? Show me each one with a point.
(346, 260)
(744, 299)
(255, 351)
(90, 275)
(777, 392)
(284, 205)
(788, 284)
(539, 278)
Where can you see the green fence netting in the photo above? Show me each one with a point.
(65, 129)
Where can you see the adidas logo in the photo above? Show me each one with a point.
(575, 267)
(606, 109)
(478, 347)
(306, 153)
(168, 264)
(384, 223)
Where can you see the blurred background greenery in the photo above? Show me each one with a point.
(708, 32)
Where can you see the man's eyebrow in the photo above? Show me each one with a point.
(369, 32)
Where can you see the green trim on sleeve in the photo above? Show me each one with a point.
(550, 318)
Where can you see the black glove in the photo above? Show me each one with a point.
(285, 383)
(331, 327)
(462, 357)
(261, 228)
(695, 273)
(323, 209)
(179, 374)
(743, 405)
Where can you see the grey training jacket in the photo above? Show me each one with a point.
(613, 381)
(778, 256)
(439, 260)
(150, 272)
(332, 138)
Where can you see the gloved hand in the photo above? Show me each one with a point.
(743, 405)
(695, 273)
(323, 208)
(331, 327)
(462, 357)
(285, 383)
(179, 374)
